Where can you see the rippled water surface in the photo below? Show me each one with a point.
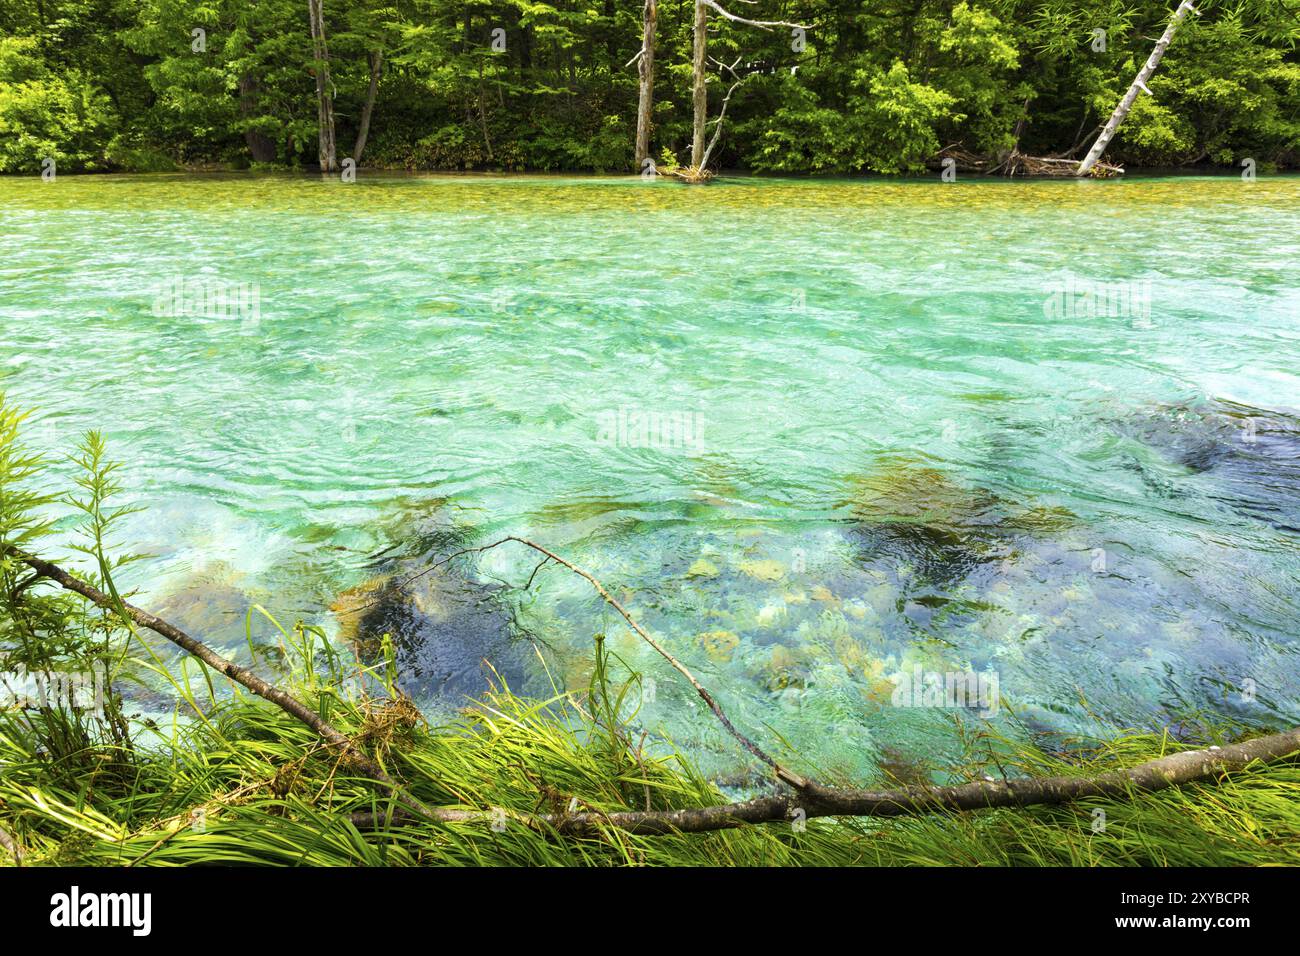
(892, 447)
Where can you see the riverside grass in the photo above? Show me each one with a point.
(248, 785)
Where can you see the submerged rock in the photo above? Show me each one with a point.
(926, 522)
(702, 568)
(763, 570)
(720, 645)
(451, 637)
(1253, 454)
(212, 603)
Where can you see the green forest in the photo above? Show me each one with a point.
(809, 86)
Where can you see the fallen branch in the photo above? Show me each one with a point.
(1016, 163)
(240, 675)
(817, 801)
(811, 799)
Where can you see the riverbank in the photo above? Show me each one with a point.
(247, 785)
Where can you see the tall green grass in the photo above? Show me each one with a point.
(247, 784)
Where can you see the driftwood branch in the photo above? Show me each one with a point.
(817, 801)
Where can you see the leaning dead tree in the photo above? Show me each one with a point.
(324, 88)
(698, 172)
(802, 796)
(1016, 163)
(1139, 85)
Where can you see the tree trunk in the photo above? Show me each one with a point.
(1131, 96)
(260, 146)
(646, 70)
(363, 130)
(701, 93)
(324, 90)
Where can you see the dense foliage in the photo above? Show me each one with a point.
(877, 85)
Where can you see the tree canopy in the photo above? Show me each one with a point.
(870, 86)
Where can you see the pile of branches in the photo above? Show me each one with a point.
(695, 175)
(1016, 163)
(1021, 164)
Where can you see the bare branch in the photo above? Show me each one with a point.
(240, 675)
(1175, 770)
(812, 800)
(717, 130)
(761, 24)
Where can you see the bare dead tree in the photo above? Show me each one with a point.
(1138, 84)
(645, 60)
(700, 89)
(324, 88)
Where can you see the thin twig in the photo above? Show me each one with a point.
(783, 773)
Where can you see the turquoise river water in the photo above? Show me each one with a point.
(820, 437)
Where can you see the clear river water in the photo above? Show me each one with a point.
(821, 437)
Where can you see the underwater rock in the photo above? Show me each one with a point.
(209, 603)
(1253, 454)
(901, 491)
(449, 635)
(923, 519)
(720, 645)
(702, 568)
(763, 570)
(899, 768)
(786, 669)
(772, 613)
(453, 637)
